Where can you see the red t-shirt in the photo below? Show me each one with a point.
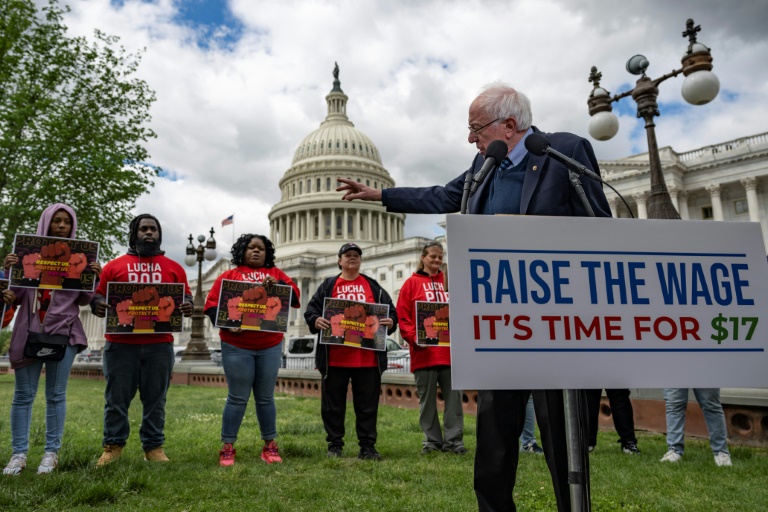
(249, 340)
(132, 268)
(352, 357)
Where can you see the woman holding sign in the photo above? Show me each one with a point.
(347, 360)
(431, 358)
(50, 312)
(250, 354)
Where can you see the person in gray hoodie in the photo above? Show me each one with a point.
(51, 312)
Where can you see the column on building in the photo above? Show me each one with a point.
(380, 228)
(281, 229)
(641, 199)
(682, 200)
(613, 203)
(358, 234)
(320, 224)
(750, 185)
(333, 223)
(717, 204)
(308, 233)
(370, 224)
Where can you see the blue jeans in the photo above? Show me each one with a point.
(530, 424)
(709, 399)
(128, 368)
(27, 380)
(248, 370)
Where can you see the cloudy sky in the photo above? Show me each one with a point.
(241, 82)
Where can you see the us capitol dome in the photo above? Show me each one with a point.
(311, 216)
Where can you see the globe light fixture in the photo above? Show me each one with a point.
(700, 87)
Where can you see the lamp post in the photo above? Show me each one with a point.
(196, 349)
(700, 87)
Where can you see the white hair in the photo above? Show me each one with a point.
(499, 100)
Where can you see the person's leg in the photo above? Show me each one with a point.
(24, 392)
(426, 388)
(623, 415)
(453, 412)
(676, 402)
(267, 363)
(333, 403)
(550, 414)
(593, 413)
(528, 438)
(155, 370)
(709, 400)
(239, 368)
(121, 371)
(56, 379)
(500, 419)
(366, 389)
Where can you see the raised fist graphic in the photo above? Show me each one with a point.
(371, 327)
(77, 263)
(55, 254)
(148, 298)
(165, 309)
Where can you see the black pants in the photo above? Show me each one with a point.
(500, 421)
(366, 387)
(621, 412)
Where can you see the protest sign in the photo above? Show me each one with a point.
(54, 263)
(562, 302)
(253, 306)
(432, 326)
(355, 324)
(137, 308)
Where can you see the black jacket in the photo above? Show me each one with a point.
(315, 309)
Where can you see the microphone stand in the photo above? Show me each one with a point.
(576, 421)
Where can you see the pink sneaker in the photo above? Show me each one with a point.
(269, 453)
(227, 455)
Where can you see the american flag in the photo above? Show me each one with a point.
(229, 220)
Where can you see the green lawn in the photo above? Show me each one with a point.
(307, 481)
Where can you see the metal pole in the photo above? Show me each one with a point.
(196, 349)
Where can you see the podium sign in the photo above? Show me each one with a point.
(564, 302)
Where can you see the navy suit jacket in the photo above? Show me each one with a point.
(546, 188)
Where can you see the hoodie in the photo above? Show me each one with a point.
(413, 289)
(63, 314)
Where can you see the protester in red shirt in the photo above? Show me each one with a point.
(142, 362)
(338, 364)
(431, 365)
(251, 358)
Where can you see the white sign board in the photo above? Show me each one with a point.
(564, 302)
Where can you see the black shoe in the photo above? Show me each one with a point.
(630, 448)
(334, 451)
(532, 448)
(368, 453)
(459, 450)
(429, 449)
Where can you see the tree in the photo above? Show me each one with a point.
(73, 125)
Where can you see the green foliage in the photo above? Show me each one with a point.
(308, 481)
(72, 126)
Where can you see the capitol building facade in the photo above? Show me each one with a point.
(310, 222)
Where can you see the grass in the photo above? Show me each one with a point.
(308, 481)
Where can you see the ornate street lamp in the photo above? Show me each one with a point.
(196, 349)
(700, 87)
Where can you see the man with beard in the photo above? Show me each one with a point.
(142, 362)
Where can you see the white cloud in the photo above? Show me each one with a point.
(230, 118)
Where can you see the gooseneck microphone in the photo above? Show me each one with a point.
(494, 154)
(539, 145)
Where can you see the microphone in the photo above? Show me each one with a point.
(540, 145)
(494, 154)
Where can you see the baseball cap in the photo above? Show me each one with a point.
(350, 247)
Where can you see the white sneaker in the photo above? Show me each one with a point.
(723, 459)
(671, 456)
(48, 464)
(16, 464)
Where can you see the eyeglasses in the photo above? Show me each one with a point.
(433, 244)
(477, 131)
